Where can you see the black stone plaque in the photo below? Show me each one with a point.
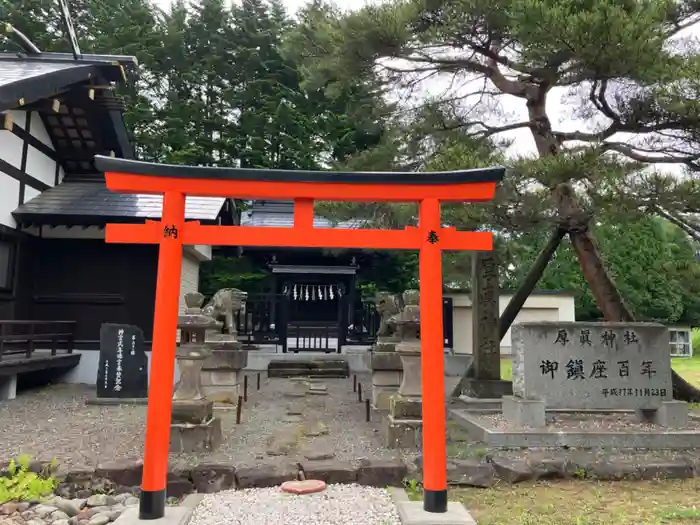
(123, 370)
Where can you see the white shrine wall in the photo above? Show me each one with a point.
(26, 164)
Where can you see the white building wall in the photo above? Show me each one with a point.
(39, 166)
(189, 280)
(537, 307)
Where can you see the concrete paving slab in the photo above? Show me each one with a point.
(412, 513)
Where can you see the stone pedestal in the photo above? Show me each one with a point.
(403, 426)
(524, 412)
(190, 362)
(193, 427)
(222, 373)
(387, 372)
(485, 382)
(671, 414)
(201, 437)
(411, 364)
(385, 345)
(486, 388)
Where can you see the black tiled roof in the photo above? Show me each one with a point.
(88, 203)
(280, 214)
(25, 80)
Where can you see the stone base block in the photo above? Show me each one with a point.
(188, 437)
(226, 356)
(671, 414)
(385, 346)
(402, 433)
(386, 361)
(487, 388)
(524, 412)
(401, 407)
(173, 516)
(222, 386)
(412, 513)
(223, 395)
(386, 377)
(381, 396)
(221, 377)
(192, 411)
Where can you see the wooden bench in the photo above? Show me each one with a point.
(29, 346)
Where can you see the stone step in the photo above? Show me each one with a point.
(292, 372)
(458, 416)
(476, 404)
(310, 364)
(310, 368)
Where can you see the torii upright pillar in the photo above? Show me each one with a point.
(172, 232)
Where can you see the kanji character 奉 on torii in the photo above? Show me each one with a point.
(172, 232)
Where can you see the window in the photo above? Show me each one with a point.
(681, 345)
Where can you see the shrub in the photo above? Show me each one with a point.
(19, 483)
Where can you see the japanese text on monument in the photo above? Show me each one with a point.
(594, 365)
(120, 358)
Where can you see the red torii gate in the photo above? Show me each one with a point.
(172, 232)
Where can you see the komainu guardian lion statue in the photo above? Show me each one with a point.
(224, 305)
(388, 306)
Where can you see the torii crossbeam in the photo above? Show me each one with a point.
(430, 238)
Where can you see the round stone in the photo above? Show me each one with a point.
(308, 486)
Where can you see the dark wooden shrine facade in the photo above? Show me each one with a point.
(312, 300)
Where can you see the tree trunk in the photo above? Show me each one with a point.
(531, 279)
(608, 297)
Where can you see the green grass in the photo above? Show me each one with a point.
(585, 503)
(688, 368)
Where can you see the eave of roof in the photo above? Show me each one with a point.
(91, 203)
(25, 80)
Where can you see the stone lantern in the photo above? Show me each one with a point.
(409, 346)
(385, 363)
(193, 427)
(403, 426)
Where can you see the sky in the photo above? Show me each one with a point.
(559, 106)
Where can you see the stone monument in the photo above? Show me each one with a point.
(222, 372)
(385, 362)
(403, 426)
(485, 382)
(573, 366)
(193, 427)
(123, 368)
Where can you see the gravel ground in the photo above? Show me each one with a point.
(582, 422)
(55, 422)
(337, 505)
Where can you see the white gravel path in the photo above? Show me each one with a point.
(337, 505)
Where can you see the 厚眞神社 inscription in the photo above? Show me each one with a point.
(592, 365)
